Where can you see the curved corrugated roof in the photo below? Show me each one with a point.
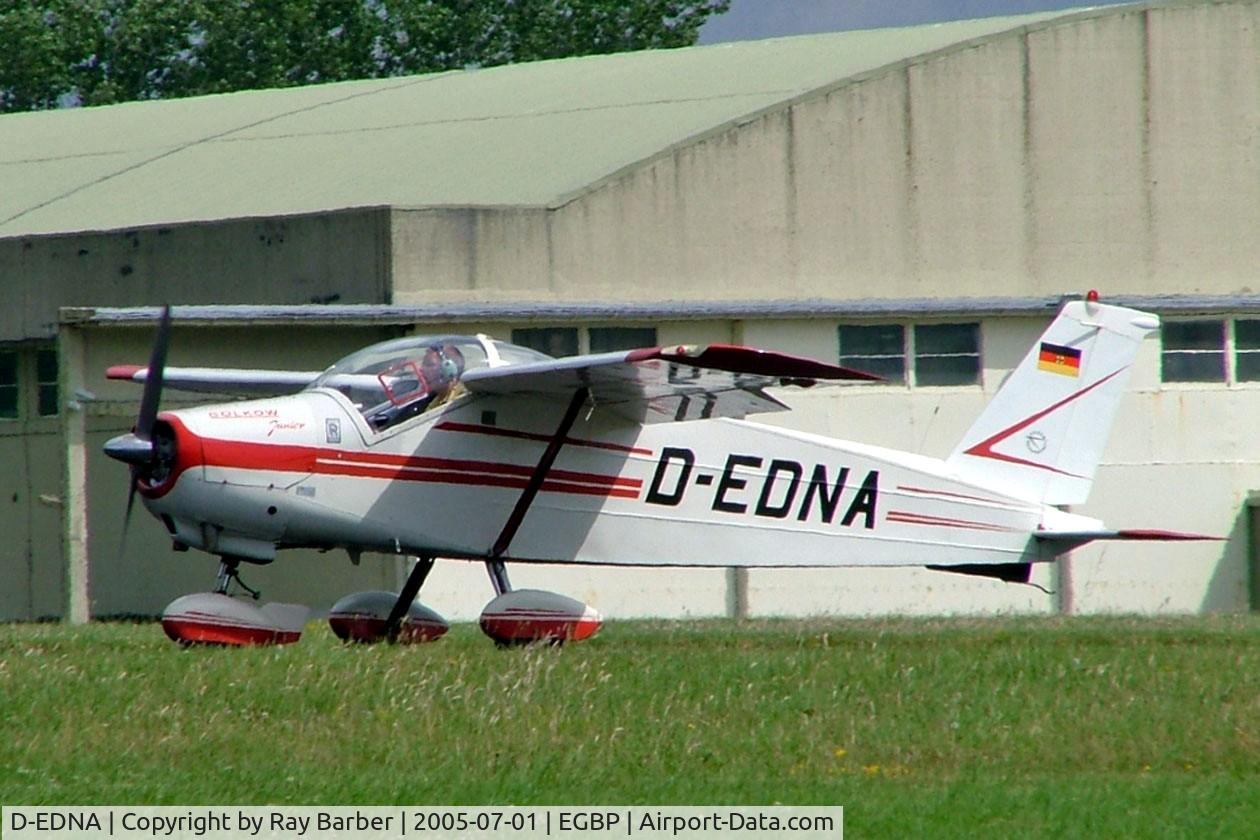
(519, 135)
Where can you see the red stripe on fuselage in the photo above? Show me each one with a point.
(495, 431)
(951, 495)
(943, 522)
(248, 455)
(477, 477)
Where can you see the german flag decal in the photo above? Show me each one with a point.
(1055, 358)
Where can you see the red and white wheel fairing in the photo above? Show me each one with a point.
(533, 615)
(216, 619)
(361, 617)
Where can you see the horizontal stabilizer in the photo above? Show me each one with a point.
(1134, 534)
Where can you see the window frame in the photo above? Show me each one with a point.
(1223, 351)
(1233, 352)
(584, 332)
(31, 393)
(43, 385)
(910, 354)
(1229, 349)
(16, 354)
(854, 360)
(913, 344)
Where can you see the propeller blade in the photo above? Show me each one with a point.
(137, 448)
(131, 501)
(153, 379)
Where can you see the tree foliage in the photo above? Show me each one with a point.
(94, 52)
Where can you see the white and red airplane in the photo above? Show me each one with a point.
(468, 447)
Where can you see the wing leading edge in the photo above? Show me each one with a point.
(668, 384)
(653, 385)
(254, 383)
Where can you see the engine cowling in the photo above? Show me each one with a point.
(216, 619)
(361, 617)
(533, 615)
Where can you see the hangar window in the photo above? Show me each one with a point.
(947, 354)
(875, 348)
(8, 384)
(46, 381)
(567, 341)
(1247, 350)
(1192, 351)
(939, 354)
(608, 339)
(554, 341)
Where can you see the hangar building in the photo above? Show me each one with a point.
(917, 199)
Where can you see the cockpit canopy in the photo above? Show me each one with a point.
(394, 380)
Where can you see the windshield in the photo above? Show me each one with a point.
(395, 380)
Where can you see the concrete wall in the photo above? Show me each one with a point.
(1181, 456)
(1116, 151)
(30, 509)
(1163, 468)
(329, 257)
(1160, 470)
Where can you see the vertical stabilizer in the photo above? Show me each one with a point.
(1043, 434)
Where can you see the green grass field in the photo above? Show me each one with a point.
(1049, 727)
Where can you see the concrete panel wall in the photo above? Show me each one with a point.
(683, 225)
(1205, 146)
(459, 590)
(968, 148)
(30, 495)
(852, 187)
(1181, 456)
(1160, 470)
(1116, 150)
(1088, 155)
(452, 254)
(329, 257)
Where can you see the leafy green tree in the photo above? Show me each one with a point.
(62, 52)
(32, 72)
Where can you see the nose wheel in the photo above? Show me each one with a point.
(229, 570)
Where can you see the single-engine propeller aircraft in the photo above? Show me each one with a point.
(468, 447)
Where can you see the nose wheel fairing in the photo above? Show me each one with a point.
(218, 619)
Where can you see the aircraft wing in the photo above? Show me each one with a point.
(667, 384)
(246, 382)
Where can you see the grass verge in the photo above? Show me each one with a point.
(1086, 726)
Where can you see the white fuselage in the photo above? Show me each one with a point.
(308, 470)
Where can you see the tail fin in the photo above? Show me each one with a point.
(1042, 436)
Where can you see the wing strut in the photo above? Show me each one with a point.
(494, 562)
(410, 590)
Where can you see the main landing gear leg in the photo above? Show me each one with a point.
(528, 615)
(410, 590)
(537, 477)
(498, 576)
(494, 561)
(228, 572)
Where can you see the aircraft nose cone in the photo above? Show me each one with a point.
(130, 449)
